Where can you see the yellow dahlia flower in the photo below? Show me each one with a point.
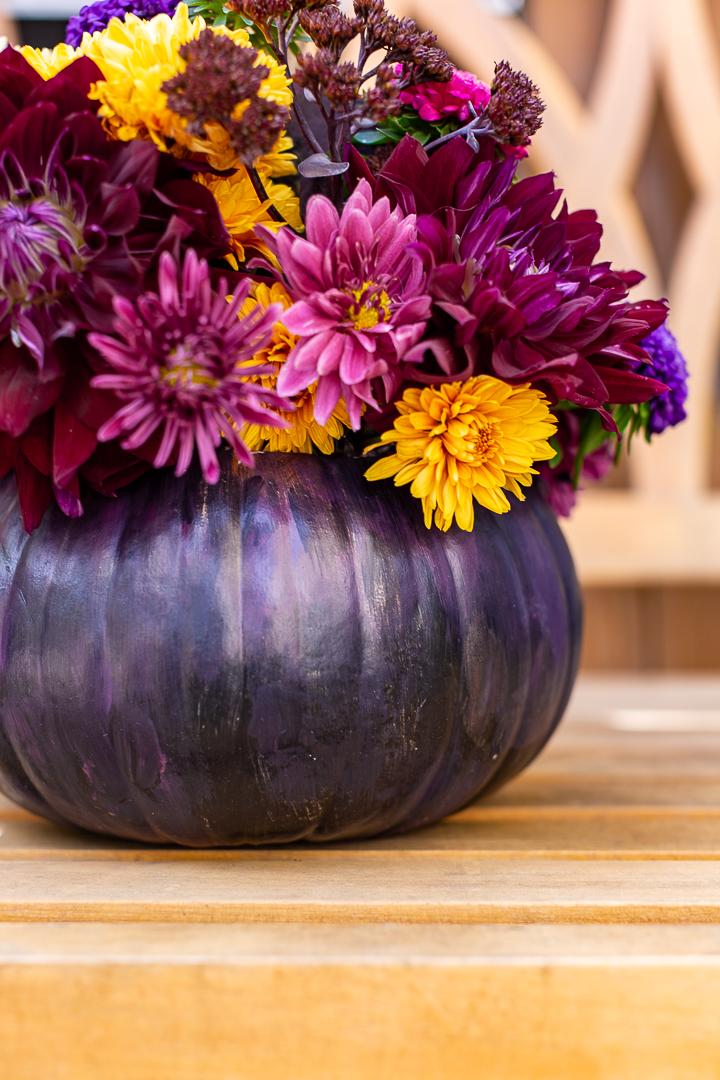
(305, 431)
(136, 57)
(467, 440)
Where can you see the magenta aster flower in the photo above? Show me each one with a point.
(81, 220)
(439, 100)
(361, 302)
(178, 357)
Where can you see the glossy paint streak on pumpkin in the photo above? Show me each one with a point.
(289, 654)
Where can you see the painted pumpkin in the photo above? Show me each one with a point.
(288, 654)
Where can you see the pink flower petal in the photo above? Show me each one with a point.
(354, 407)
(327, 396)
(329, 358)
(304, 319)
(355, 361)
(356, 229)
(321, 221)
(361, 200)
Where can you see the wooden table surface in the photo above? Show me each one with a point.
(567, 927)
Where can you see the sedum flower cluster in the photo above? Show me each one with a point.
(168, 281)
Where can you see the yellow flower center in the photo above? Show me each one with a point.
(186, 376)
(469, 437)
(483, 444)
(182, 371)
(372, 306)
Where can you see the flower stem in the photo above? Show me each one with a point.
(478, 126)
(304, 126)
(264, 197)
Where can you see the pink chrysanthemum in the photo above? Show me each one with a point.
(438, 100)
(180, 361)
(361, 301)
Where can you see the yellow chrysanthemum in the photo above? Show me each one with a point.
(136, 57)
(305, 430)
(49, 63)
(279, 161)
(287, 202)
(467, 440)
(241, 209)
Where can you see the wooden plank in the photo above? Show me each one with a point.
(351, 888)
(620, 832)
(320, 1003)
(620, 538)
(261, 943)
(547, 788)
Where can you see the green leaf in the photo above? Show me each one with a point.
(592, 437)
(554, 462)
(371, 137)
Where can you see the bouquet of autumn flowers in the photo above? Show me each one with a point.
(168, 281)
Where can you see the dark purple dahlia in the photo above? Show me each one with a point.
(96, 16)
(668, 364)
(515, 291)
(82, 219)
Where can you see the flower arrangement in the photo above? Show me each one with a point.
(171, 278)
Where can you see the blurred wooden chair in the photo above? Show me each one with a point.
(7, 27)
(632, 129)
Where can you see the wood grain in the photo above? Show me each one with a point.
(353, 888)
(323, 1003)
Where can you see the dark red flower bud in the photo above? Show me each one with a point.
(515, 107)
(219, 77)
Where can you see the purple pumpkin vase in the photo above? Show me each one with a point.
(289, 654)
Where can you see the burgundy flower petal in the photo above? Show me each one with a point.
(73, 443)
(22, 395)
(35, 492)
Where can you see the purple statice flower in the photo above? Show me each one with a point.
(668, 365)
(180, 359)
(96, 16)
(360, 304)
(435, 101)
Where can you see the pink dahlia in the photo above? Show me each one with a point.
(438, 100)
(361, 302)
(181, 364)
